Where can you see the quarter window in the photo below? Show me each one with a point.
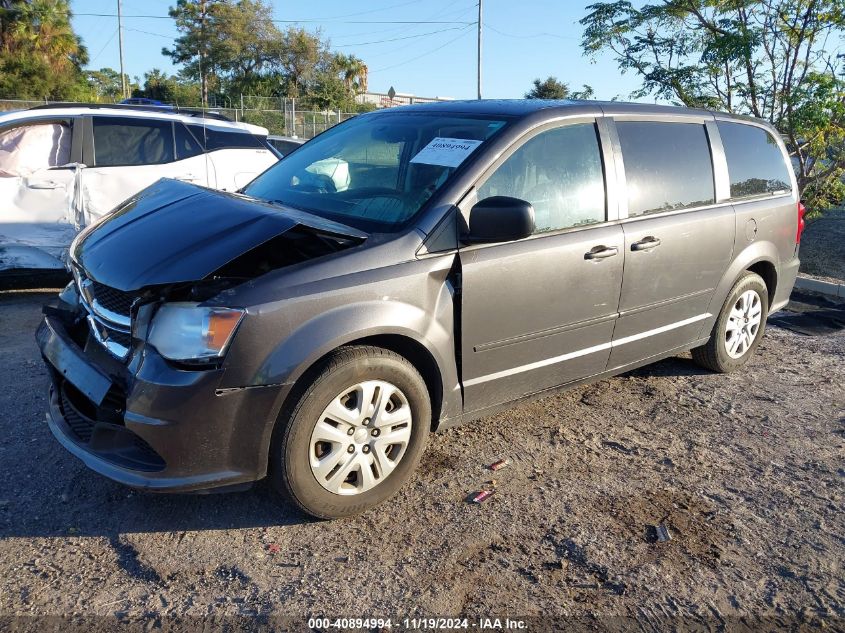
(755, 162)
(186, 145)
(214, 139)
(667, 166)
(560, 173)
(123, 141)
(282, 146)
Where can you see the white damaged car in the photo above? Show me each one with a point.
(63, 167)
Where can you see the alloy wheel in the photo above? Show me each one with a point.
(743, 323)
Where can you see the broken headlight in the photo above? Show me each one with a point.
(187, 332)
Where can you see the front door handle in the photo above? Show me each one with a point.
(44, 184)
(646, 244)
(601, 252)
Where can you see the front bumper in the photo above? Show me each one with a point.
(149, 425)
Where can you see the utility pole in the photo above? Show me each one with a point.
(120, 44)
(479, 46)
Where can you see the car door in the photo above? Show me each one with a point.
(540, 312)
(127, 154)
(238, 156)
(38, 184)
(678, 240)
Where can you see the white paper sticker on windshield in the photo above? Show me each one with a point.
(446, 152)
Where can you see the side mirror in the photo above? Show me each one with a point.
(500, 219)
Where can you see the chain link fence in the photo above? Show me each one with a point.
(281, 116)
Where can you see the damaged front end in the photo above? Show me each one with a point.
(179, 243)
(136, 344)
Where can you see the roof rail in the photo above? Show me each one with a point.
(194, 112)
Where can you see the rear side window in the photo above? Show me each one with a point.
(127, 141)
(559, 172)
(219, 139)
(667, 166)
(282, 146)
(186, 145)
(755, 162)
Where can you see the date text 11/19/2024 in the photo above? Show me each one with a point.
(420, 624)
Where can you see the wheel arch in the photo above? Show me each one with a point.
(404, 329)
(420, 357)
(405, 346)
(758, 257)
(767, 270)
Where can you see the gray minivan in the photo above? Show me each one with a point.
(405, 271)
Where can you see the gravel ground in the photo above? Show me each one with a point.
(746, 471)
(823, 247)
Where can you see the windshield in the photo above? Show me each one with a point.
(375, 172)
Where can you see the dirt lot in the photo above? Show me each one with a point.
(823, 247)
(746, 471)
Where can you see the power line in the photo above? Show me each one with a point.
(393, 6)
(392, 39)
(396, 39)
(304, 21)
(167, 37)
(100, 52)
(442, 13)
(434, 50)
(530, 35)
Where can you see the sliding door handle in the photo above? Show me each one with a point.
(601, 252)
(646, 244)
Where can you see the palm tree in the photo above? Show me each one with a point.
(353, 71)
(43, 27)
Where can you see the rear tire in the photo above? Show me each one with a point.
(355, 434)
(739, 328)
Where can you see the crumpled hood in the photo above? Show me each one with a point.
(176, 232)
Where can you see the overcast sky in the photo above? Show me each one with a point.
(436, 56)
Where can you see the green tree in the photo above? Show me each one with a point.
(553, 88)
(338, 78)
(299, 56)
(353, 72)
(171, 89)
(234, 46)
(249, 41)
(105, 84)
(199, 47)
(771, 59)
(40, 54)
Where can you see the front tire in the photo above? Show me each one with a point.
(355, 435)
(739, 328)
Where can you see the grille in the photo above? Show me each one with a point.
(81, 426)
(146, 453)
(82, 415)
(123, 339)
(113, 300)
(110, 310)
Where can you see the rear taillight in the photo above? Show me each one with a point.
(801, 212)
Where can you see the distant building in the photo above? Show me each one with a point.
(383, 99)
